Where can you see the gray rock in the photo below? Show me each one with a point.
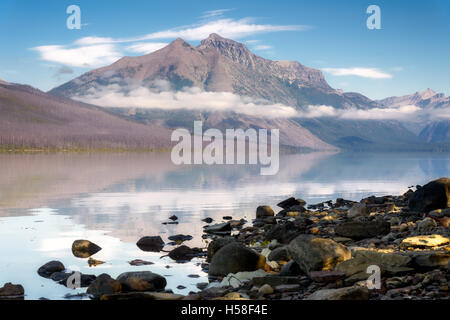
(10, 290)
(287, 231)
(84, 248)
(426, 225)
(290, 269)
(286, 204)
(233, 258)
(218, 228)
(363, 229)
(279, 254)
(182, 253)
(430, 260)
(358, 209)
(315, 254)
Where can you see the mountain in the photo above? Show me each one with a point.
(223, 65)
(434, 106)
(219, 65)
(436, 131)
(31, 118)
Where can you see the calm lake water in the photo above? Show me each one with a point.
(48, 201)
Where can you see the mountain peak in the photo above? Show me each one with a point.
(427, 94)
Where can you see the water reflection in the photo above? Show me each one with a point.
(48, 201)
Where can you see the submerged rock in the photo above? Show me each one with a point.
(156, 281)
(180, 238)
(11, 291)
(151, 244)
(104, 284)
(182, 253)
(233, 258)
(315, 254)
(84, 248)
(50, 268)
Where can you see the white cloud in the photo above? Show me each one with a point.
(214, 13)
(262, 47)
(188, 99)
(372, 73)
(146, 47)
(84, 57)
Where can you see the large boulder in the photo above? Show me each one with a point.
(434, 195)
(348, 293)
(233, 258)
(363, 229)
(50, 268)
(151, 244)
(263, 212)
(84, 248)
(286, 204)
(104, 284)
(358, 209)
(217, 244)
(315, 254)
(156, 281)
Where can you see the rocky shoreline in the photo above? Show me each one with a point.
(381, 248)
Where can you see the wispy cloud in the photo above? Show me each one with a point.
(146, 47)
(372, 73)
(215, 13)
(94, 51)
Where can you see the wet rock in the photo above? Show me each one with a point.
(286, 204)
(84, 248)
(264, 211)
(173, 218)
(358, 209)
(348, 293)
(227, 218)
(279, 254)
(208, 220)
(426, 225)
(440, 213)
(94, 262)
(179, 238)
(219, 228)
(202, 285)
(11, 291)
(133, 284)
(434, 195)
(139, 262)
(285, 232)
(50, 268)
(182, 253)
(150, 244)
(155, 280)
(363, 229)
(427, 241)
(315, 254)
(233, 258)
(217, 244)
(326, 276)
(104, 284)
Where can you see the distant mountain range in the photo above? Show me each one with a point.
(221, 65)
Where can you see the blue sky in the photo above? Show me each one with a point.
(410, 53)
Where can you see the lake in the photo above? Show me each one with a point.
(49, 200)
